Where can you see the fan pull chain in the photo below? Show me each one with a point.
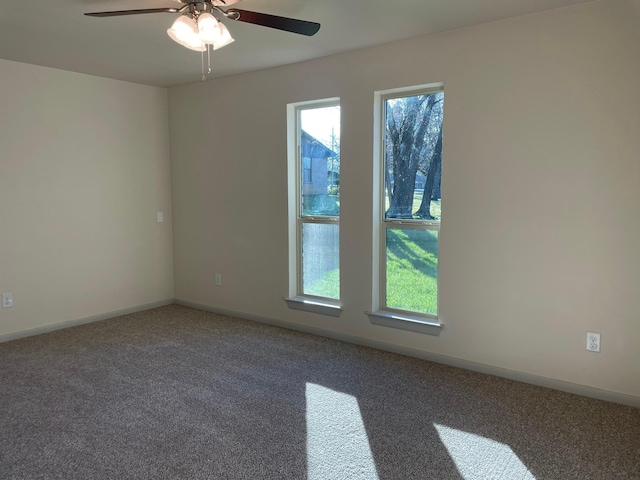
(203, 78)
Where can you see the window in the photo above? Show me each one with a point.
(306, 170)
(410, 159)
(314, 205)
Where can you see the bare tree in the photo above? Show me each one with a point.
(413, 126)
(433, 172)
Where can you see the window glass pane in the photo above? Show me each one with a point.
(320, 154)
(413, 156)
(412, 270)
(320, 256)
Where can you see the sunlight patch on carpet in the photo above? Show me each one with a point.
(480, 458)
(337, 443)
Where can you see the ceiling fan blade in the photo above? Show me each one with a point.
(273, 21)
(132, 12)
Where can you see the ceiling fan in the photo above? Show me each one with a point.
(198, 28)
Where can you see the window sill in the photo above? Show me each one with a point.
(406, 322)
(323, 307)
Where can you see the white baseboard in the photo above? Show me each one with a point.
(547, 382)
(80, 321)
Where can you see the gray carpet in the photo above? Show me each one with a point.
(177, 393)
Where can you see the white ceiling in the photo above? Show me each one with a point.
(136, 48)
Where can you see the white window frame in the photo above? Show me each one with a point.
(380, 313)
(296, 299)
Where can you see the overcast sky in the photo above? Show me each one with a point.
(319, 122)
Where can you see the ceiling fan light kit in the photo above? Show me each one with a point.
(184, 31)
(197, 28)
(208, 28)
(218, 37)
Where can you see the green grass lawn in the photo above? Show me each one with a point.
(412, 272)
(330, 205)
(411, 269)
(436, 205)
(327, 286)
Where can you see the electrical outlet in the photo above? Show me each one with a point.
(218, 280)
(7, 300)
(593, 342)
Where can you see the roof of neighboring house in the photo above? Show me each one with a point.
(314, 148)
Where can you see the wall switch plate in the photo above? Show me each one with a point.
(7, 300)
(218, 280)
(160, 217)
(593, 341)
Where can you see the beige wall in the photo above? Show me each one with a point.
(540, 231)
(84, 167)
